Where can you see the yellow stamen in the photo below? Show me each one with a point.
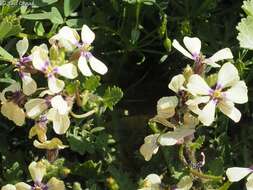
(217, 94)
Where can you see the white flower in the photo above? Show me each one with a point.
(28, 84)
(165, 110)
(69, 39)
(235, 174)
(193, 46)
(38, 171)
(150, 146)
(229, 90)
(10, 108)
(59, 114)
(152, 182)
(42, 63)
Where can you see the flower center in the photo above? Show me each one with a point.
(48, 69)
(86, 47)
(217, 94)
(39, 186)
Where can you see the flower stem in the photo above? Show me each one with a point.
(205, 176)
(87, 114)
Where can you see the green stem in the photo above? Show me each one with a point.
(205, 176)
(81, 116)
(225, 186)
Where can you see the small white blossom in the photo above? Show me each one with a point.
(152, 182)
(193, 46)
(228, 91)
(69, 39)
(42, 63)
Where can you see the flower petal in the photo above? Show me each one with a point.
(149, 147)
(97, 65)
(40, 57)
(190, 121)
(14, 87)
(37, 171)
(83, 66)
(176, 83)
(153, 179)
(228, 74)
(166, 106)
(185, 183)
(228, 108)
(167, 102)
(235, 174)
(59, 104)
(22, 47)
(13, 112)
(67, 70)
(52, 144)
(192, 44)
(206, 116)
(249, 184)
(193, 104)
(55, 183)
(8, 187)
(55, 85)
(61, 123)
(198, 86)
(174, 137)
(87, 35)
(28, 84)
(35, 107)
(67, 38)
(40, 131)
(176, 45)
(23, 186)
(238, 93)
(218, 56)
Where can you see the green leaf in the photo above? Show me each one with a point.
(9, 28)
(54, 16)
(112, 96)
(37, 16)
(14, 173)
(80, 144)
(245, 28)
(70, 6)
(91, 83)
(39, 29)
(87, 169)
(43, 3)
(248, 7)
(76, 22)
(5, 54)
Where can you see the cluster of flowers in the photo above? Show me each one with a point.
(196, 98)
(37, 171)
(50, 104)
